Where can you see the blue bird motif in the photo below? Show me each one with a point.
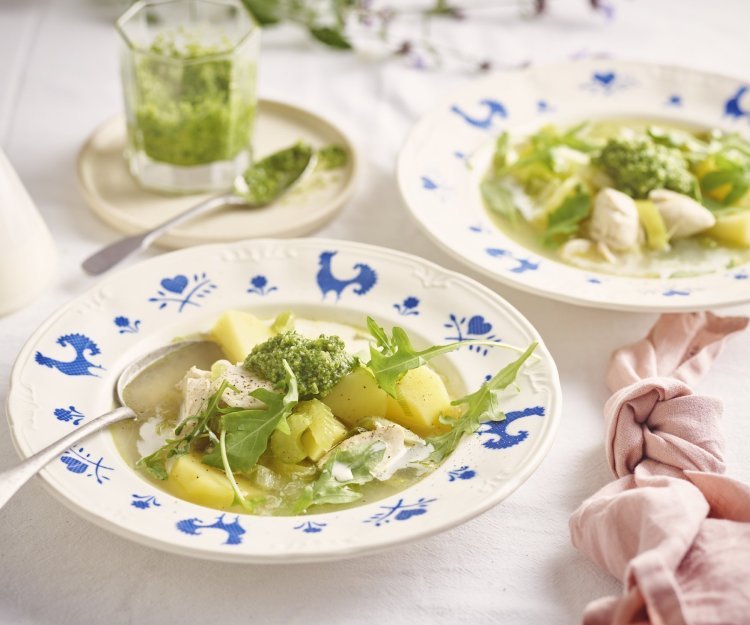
(494, 109)
(234, 530)
(522, 264)
(732, 106)
(498, 430)
(365, 279)
(80, 365)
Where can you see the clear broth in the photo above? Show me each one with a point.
(153, 394)
(685, 258)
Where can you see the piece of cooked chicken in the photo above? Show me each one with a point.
(239, 378)
(683, 216)
(614, 220)
(402, 448)
(196, 387)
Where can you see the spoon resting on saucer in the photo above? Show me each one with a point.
(261, 184)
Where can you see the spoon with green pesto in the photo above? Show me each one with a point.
(261, 184)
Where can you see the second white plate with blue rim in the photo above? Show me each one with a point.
(447, 153)
(65, 374)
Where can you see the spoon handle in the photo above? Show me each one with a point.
(12, 479)
(109, 256)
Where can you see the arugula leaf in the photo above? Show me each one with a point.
(737, 179)
(197, 426)
(245, 432)
(714, 179)
(481, 405)
(332, 37)
(739, 188)
(328, 489)
(565, 219)
(498, 198)
(392, 357)
(265, 12)
(156, 463)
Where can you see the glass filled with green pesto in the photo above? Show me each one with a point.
(189, 72)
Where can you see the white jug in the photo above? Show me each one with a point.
(28, 259)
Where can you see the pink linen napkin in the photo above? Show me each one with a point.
(672, 528)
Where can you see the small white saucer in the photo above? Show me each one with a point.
(114, 195)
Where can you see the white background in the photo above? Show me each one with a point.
(514, 564)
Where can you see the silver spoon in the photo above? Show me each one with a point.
(12, 479)
(250, 190)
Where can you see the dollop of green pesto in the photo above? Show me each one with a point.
(191, 103)
(318, 363)
(271, 176)
(332, 157)
(639, 165)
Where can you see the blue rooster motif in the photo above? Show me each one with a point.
(498, 430)
(494, 109)
(732, 107)
(234, 530)
(365, 279)
(80, 365)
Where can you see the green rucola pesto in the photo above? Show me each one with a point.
(192, 104)
(332, 157)
(266, 179)
(317, 364)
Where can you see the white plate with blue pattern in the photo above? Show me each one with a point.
(448, 152)
(65, 374)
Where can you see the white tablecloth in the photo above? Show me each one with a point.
(514, 564)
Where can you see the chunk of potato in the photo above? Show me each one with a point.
(237, 332)
(733, 229)
(422, 398)
(207, 486)
(393, 410)
(356, 396)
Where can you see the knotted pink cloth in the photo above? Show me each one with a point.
(672, 528)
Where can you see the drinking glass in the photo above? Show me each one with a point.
(189, 72)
